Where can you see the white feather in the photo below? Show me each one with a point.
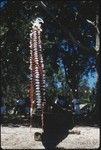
(90, 22)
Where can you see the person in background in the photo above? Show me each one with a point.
(76, 105)
(92, 98)
(76, 109)
(2, 105)
(27, 105)
(19, 105)
(61, 101)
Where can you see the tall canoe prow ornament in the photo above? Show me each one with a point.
(37, 71)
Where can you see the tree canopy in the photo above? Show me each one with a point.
(70, 41)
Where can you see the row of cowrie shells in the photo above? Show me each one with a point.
(37, 73)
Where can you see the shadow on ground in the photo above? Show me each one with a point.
(51, 139)
(56, 128)
(21, 120)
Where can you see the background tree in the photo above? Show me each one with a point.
(75, 22)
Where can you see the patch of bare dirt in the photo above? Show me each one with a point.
(23, 138)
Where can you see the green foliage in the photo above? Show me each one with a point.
(64, 20)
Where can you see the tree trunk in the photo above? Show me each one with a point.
(97, 47)
(98, 95)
